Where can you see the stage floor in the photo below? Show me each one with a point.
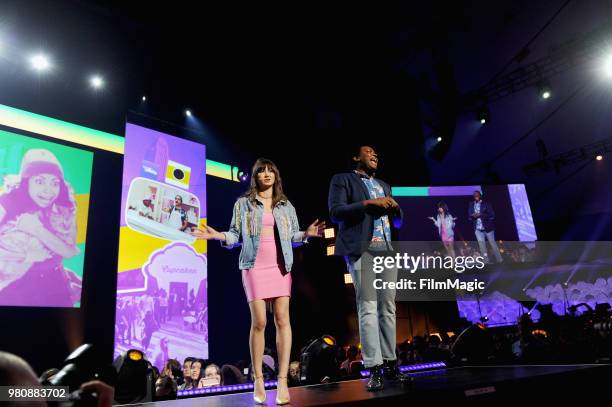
(451, 384)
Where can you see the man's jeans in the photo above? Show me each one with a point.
(376, 318)
(490, 236)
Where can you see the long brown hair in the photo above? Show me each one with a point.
(277, 189)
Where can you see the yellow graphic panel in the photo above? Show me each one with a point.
(82, 203)
(135, 247)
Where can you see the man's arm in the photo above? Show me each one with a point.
(339, 207)
(396, 213)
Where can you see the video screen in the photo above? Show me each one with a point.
(44, 203)
(507, 219)
(507, 206)
(162, 306)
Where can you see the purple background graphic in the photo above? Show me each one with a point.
(162, 309)
(145, 146)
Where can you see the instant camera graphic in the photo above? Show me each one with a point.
(178, 174)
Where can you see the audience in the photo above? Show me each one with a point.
(554, 339)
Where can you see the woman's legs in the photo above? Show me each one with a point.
(257, 342)
(450, 247)
(283, 343)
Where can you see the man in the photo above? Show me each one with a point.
(177, 217)
(362, 207)
(482, 215)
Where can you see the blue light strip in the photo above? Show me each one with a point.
(412, 368)
(224, 389)
(273, 383)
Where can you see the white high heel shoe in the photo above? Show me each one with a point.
(281, 402)
(256, 399)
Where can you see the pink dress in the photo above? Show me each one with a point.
(444, 234)
(267, 279)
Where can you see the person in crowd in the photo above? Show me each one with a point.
(196, 373)
(434, 352)
(265, 223)
(351, 354)
(294, 373)
(445, 222)
(186, 382)
(366, 213)
(165, 388)
(481, 213)
(212, 376)
(231, 375)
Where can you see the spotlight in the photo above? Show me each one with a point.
(318, 360)
(329, 233)
(40, 62)
(544, 90)
(135, 382)
(243, 176)
(96, 81)
(144, 98)
(439, 139)
(483, 115)
(608, 66)
(331, 249)
(599, 157)
(188, 113)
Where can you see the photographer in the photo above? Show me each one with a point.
(14, 371)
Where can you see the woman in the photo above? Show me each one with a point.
(446, 225)
(212, 377)
(196, 373)
(37, 232)
(258, 214)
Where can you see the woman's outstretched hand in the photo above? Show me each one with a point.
(207, 233)
(315, 229)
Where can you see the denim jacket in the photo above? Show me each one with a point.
(449, 223)
(245, 230)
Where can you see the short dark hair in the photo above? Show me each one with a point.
(356, 151)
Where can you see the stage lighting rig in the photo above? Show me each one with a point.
(556, 162)
(560, 58)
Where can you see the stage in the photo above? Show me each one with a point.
(471, 383)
